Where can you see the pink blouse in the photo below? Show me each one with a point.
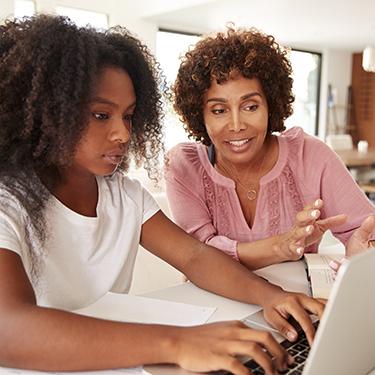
(205, 203)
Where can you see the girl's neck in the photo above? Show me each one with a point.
(79, 194)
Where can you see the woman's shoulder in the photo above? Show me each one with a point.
(183, 151)
(187, 155)
(304, 152)
(298, 140)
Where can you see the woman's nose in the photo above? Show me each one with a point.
(236, 124)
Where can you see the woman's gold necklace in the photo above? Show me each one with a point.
(251, 194)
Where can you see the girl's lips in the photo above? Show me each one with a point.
(114, 158)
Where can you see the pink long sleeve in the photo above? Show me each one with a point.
(205, 203)
(190, 207)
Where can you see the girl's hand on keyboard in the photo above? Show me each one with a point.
(213, 347)
(280, 307)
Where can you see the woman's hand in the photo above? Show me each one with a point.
(279, 307)
(336, 265)
(213, 347)
(307, 230)
(359, 241)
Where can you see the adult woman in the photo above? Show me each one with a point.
(75, 104)
(242, 182)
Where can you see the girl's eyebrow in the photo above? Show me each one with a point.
(112, 104)
(244, 97)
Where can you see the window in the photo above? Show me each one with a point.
(169, 46)
(23, 8)
(306, 86)
(84, 17)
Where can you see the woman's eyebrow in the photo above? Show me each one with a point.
(250, 95)
(244, 97)
(221, 100)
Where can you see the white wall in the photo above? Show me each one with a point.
(336, 65)
(120, 12)
(337, 72)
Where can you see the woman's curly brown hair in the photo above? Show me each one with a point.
(222, 57)
(48, 72)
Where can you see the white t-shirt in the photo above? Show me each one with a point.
(84, 257)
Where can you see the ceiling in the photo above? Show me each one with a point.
(336, 24)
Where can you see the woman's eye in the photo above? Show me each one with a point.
(128, 117)
(101, 116)
(252, 108)
(218, 111)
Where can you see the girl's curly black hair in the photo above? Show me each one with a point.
(222, 57)
(48, 72)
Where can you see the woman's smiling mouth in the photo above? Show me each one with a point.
(238, 143)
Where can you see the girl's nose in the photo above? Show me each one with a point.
(121, 130)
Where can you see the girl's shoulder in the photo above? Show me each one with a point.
(120, 188)
(120, 180)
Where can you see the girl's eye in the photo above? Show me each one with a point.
(128, 117)
(101, 116)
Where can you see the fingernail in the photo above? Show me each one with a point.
(290, 359)
(314, 213)
(308, 229)
(317, 203)
(291, 335)
(344, 260)
(299, 250)
(333, 265)
(334, 276)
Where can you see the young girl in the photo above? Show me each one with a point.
(75, 104)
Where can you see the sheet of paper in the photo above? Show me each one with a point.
(129, 308)
(125, 371)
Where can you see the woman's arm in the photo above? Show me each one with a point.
(47, 339)
(218, 273)
(290, 245)
(190, 209)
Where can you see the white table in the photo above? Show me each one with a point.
(289, 275)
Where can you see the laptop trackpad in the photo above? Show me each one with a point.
(257, 321)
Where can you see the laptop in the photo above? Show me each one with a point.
(345, 339)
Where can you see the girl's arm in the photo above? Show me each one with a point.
(212, 270)
(47, 339)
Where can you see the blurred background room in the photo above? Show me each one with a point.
(332, 53)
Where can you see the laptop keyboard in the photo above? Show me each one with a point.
(299, 350)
